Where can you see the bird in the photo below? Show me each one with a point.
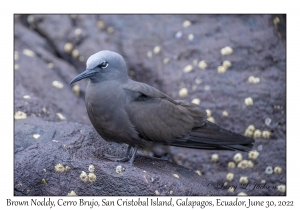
(126, 111)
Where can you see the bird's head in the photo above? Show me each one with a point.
(104, 65)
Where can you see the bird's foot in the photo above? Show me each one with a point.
(116, 159)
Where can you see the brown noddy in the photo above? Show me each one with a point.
(134, 113)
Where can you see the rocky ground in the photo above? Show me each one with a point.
(182, 55)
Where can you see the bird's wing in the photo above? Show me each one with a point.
(159, 118)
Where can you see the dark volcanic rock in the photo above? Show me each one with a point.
(259, 50)
(78, 146)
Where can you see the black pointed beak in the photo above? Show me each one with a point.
(86, 74)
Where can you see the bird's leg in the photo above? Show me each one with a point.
(133, 155)
(119, 159)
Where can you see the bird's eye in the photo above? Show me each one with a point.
(103, 65)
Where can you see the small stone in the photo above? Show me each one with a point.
(75, 53)
(92, 177)
(188, 68)
(266, 134)
(91, 168)
(191, 37)
(175, 175)
(225, 113)
(263, 181)
(242, 194)
(16, 55)
(156, 50)
(230, 176)
(244, 180)
(231, 165)
(44, 170)
(231, 189)
(226, 50)
(250, 164)
(72, 193)
(178, 34)
(198, 172)
(277, 170)
(281, 188)
(156, 192)
(171, 192)
(68, 47)
(202, 65)
(119, 169)
(16, 67)
(211, 119)
(44, 182)
(253, 155)
(81, 58)
(57, 84)
(208, 113)
(257, 134)
(237, 157)
(36, 136)
(248, 133)
(60, 116)
(253, 80)
(20, 115)
(77, 31)
(76, 90)
(110, 30)
(248, 101)
(28, 53)
(243, 164)
(221, 69)
(183, 92)
(50, 65)
(186, 23)
(26, 97)
(260, 147)
(269, 170)
(44, 110)
(166, 60)
(59, 168)
(276, 20)
(226, 64)
(84, 177)
(214, 158)
(149, 54)
(196, 101)
(100, 24)
(251, 128)
(67, 168)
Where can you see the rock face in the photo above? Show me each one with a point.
(163, 51)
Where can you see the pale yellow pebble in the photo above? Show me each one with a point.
(76, 90)
(214, 158)
(156, 192)
(196, 101)
(50, 65)
(226, 64)
(176, 175)
(225, 113)
(230, 176)
(231, 189)
(221, 69)
(257, 134)
(253, 155)
(20, 115)
(188, 68)
(92, 177)
(28, 53)
(202, 65)
(277, 170)
(186, 23)
(156, 49)
(110, 30)
(198, 172)
(244, 180)
(84, 177)
(16, 67)
(166, 60)
(251, 128)
(75, 53)
(243, 164)
(100, 24)
(281, 188)
(231, 165)
(59, 168)
(208, 113)
(226, 50)
(211, 119)
(191, 37)
(237, 157)
(72, 193)
(58, 84)
(60, 116)
(183, 92)
(248, 101)
(266, 134)
(68, 47)
(44, 182)
(36, 136)
(276, 20)
(242, 194)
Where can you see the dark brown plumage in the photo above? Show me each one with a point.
(139, 115)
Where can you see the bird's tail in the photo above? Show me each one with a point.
(213, 137)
